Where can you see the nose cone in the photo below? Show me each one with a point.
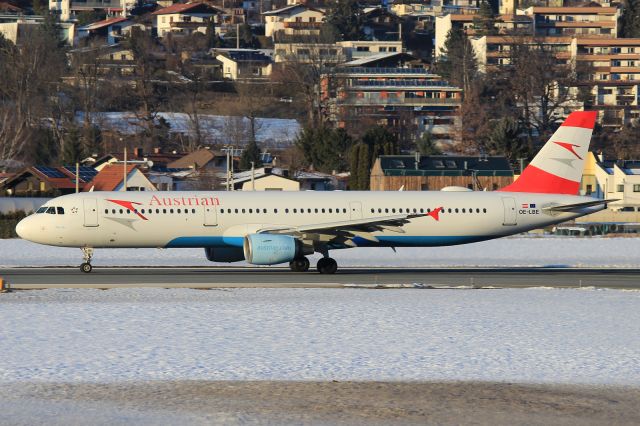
(23, 229)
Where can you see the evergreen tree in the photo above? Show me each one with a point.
(375, 142)
(251, 154)
(458, 61)
(325, 148)
(484, 23)
(425, 145)
(631, 19)
(344, 18)
(73, 150)
(504, 139)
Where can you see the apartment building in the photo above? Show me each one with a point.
(505, 24)
(67, 8)
(17, 28)
(495, 51)
(575, 21)
(407, 99)
(615, 82)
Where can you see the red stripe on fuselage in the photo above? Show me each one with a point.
(584, 119)
(534, 179)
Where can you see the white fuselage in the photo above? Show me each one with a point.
(223, 219)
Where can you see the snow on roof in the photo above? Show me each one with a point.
(289, 8)
(104, 23)
(371, 58)
(183, 7)
(271, 132)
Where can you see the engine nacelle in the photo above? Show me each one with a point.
(224, 254)
(269, 249)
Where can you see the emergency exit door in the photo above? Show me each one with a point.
(210, 216)
(356, 210)
(90, 212)
(510, 212)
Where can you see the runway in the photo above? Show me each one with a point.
(234, 277)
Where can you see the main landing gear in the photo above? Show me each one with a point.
(326, 265)
(299, 265)
(87, 253)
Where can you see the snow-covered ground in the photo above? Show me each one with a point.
(515, 251)
(532, 335)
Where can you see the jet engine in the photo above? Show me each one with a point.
(224, 254)
(269, 249)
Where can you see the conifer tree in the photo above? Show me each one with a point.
(458, 61)
(484, 23)
(631, 19)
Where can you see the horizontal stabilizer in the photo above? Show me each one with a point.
(577, 206)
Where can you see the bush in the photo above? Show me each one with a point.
(8, 224)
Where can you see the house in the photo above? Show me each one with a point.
(111, 178)
(243, 64)
(17, 28)
(194, 160)
(111, 30)
(293, 20)
(435, 172)
(43, 181)
(381, 24)
(185, 18)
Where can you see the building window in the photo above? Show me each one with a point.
(636, 188)
(589, 189)
(620, 188)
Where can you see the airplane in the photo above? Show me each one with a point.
(268, 228)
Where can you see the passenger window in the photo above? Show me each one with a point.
(449, 211)
(484, 210)
(456, 210)
(164, 211)
(51, 210)
(295, 210)
(422, 210)
(386, 210)
(477, 210)
(344, 210)
(322, 210)
(106, 211)
(236, 211)
(330, 210)
(179, 211)
(286, 210)
(264, 210)
(158, 211)
(275, 210)
(316, 210)
(464, 211)
(250, 211)
(193, 211)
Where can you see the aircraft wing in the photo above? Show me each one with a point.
(344, 231)
(577, 206)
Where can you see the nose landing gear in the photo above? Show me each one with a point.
(87, 253)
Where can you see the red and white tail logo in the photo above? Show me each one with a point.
(557, 168)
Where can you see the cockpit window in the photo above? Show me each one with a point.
(60, 210)
(51, 210)
(41, 210)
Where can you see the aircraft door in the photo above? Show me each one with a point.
(210, 216)
(356, 210)
(90, 212)
(510, 212)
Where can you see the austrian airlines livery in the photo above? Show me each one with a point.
(267, 228)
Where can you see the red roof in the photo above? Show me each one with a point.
(8, 7)
(182, 7)
(105, 23)
(110, 177)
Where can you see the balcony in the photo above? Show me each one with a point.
(302, 25)
(352, 100)
(406, 84)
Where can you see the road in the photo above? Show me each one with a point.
(211, 277)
